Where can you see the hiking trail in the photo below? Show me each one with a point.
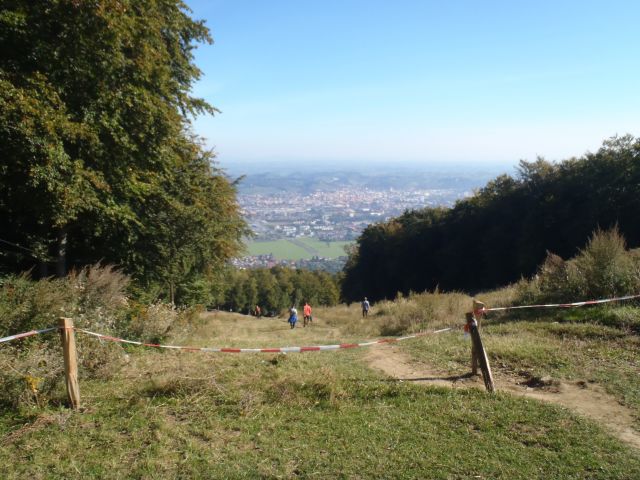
(587, 399)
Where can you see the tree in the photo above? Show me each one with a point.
(97, 158)
(504, 230)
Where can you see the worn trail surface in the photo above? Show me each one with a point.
(589, 400)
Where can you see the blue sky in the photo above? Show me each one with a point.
(417, 81)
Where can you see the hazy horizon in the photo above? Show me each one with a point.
(379, 167)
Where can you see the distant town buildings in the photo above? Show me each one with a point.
(339, 214)
(333, 215)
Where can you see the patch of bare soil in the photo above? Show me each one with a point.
(587, 399)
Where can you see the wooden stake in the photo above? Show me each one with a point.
(474, 359)
(474, 355)
(70, 361)
(479, 355)
(477, 307)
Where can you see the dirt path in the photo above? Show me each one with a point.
(589, 400)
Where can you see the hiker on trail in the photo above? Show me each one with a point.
(307, 314)
(258, 311)
(293, 316)
(365, 307)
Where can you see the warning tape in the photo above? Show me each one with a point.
(314, 348)
(559, 305)
(27, 334)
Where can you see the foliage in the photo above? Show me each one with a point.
(98, 160)
(277, 289)
(504, 230)
(95, 298)
(604, 268)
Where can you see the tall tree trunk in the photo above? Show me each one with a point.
(61, 263)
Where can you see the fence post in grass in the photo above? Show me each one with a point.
(478, 308)
(70, 361)
(478, 353)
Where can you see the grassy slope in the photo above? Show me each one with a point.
(564, 345)
(312, 415)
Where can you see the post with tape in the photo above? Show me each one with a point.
(70, 361)
(477, 309)
(478, 353)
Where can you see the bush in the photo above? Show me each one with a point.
(31, 374)
(604, 268)
(95, 297)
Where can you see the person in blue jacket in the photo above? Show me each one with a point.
(293, 316)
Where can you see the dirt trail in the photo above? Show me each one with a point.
(589, 400)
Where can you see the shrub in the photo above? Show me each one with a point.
(604, 268)
(32, 374)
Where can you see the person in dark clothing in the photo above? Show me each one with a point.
(365, 307)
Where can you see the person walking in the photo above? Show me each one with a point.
(307, 314)
(365, 307)
(293, 316)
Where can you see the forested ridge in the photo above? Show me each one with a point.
(504, 231)
(98, 162)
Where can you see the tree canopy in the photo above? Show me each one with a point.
(277, 289)
(504, 231)
(97, 158)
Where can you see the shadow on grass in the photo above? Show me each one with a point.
(450, 378)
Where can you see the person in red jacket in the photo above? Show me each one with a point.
(307, 314)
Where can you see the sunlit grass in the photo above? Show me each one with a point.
(168, 414)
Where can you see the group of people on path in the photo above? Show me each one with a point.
(307, 317)
(306, 311)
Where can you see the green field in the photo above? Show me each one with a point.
(297, 248)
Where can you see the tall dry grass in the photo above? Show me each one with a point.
(413, 313)
(96, 299)
(604, 268)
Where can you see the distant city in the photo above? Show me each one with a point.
(337, 206)
(336, 215)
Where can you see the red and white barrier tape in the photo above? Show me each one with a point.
(560, 305)
(315, 348)
(27, 334)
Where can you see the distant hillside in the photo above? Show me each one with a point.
(504, 231)
(301, 180)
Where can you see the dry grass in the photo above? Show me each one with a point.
(417, 312)
(170, 414)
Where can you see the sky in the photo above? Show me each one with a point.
(459, 81)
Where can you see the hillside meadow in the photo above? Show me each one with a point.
(168, 414)
(296, 249)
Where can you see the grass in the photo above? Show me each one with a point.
(296, 249)
(563, 346)
(168, 414)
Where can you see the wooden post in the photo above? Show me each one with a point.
(479, 355)
(474, 355)
(477, 307)
(70, 361)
